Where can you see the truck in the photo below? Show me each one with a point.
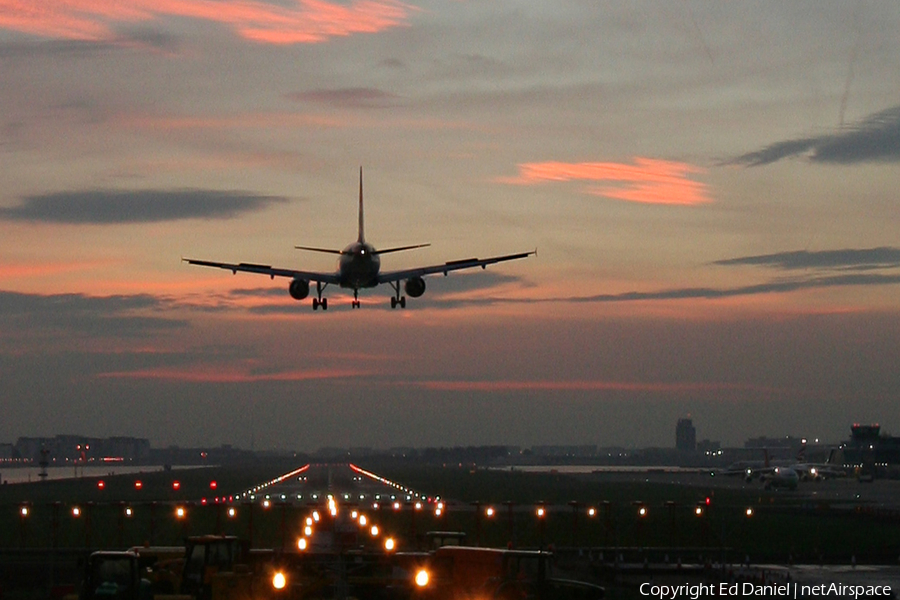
(469, 573)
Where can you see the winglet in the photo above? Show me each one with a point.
(362, 235)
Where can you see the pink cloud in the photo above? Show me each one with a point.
(307, 21)
(648, 180)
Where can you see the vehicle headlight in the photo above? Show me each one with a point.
(279, 581)
(422, 578)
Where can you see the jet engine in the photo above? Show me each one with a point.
(299, 289)
(415, 287)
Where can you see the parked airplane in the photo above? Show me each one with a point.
(359, 266)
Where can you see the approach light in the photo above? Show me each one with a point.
(374, 531)
(698, 511)
(592, 512)
(642, 511)
(138, 484)
(266, 504)
(176, 485)
(24, 512)
(301, 544)
(541, 512)
(749, 511)
(101, 484)
(213, 485)
(489, 512)
(390, 544)
(363, 520)
(180, 512)
(232, 512)
(129, 512)
(76, 512)
(307, 531)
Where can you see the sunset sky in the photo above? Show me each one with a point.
(712, 188)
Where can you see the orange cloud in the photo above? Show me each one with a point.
(230, 375)
(30, 270)
(308, 21)
(648, 180)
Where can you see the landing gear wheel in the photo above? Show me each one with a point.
(317, 303)
(324, 303)
(393, 302)
(401, 302)
(354, 304)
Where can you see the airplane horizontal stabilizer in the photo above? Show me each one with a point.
(325, 250)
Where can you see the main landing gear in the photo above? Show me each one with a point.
(320, 301)
(397, 299)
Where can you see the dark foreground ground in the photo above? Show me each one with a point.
(842, 530)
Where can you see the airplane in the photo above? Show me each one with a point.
(359, 266)
(781, 477)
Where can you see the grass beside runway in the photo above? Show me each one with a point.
(783, 526)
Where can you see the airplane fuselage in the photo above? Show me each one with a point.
(358, 266)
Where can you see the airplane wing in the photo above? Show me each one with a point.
(453, 265)
(272, 272)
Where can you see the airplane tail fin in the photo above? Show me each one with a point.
(362, 235)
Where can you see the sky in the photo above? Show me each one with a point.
(711, 188)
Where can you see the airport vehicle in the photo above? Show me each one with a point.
(467, 573)
(359, 266)
(114, 576)
(212, 567)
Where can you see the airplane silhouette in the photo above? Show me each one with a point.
(359, 266)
